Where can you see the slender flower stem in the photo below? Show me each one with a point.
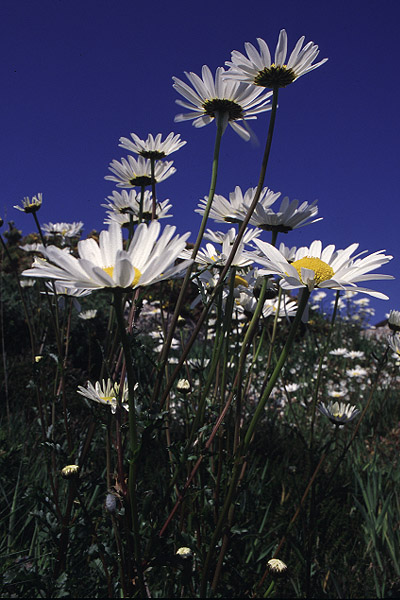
(241, 452)
(321, 360)
(153, 188)
(133, 435)
(179, 302)
(230, 258)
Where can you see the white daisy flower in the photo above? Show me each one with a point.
(234, 101)
(152, 147)
(105, 393)
(354, 354)
(87, 315)
(27, 283)
(315, 267)
(235, 209)
(36, 247)
(107, 265)
(318, 296)
(211, 256)
(257, 67)
(361, 302)
(289, 216)
(337, 393)
(394, 343)
(217, 237)
(135, 173)
(357, 372)
(338, 352)
(394, 320)
(30, 205)
(338, 413)
(63, 230)
(126, 207)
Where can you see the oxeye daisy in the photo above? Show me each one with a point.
(338, 413)
(394, 320)
(289, 216)
(105, 393)
(137, 173)
(211, 256)
(107, 265)
(63, 230)
(235, 209)
(30, 205)
(152, 147)
(324, 268)
(233, 101)
(394, 343)
(258, 68)
(132, 207)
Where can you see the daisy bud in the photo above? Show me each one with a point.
(184, 552)
(183, 386)
(394, 320)
(276, 566)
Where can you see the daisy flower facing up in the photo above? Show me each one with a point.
(338, 413)
(258, 68)
(324, 268)
(30, 205)
(152, 147)
(105, 393)
(107, 265)
(234, 101)
(135, 173)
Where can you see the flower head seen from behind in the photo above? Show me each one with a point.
(338, 413)
(131, 173)
(324, 268)
(63, 230)
(289, 216)
(152, 147)
(108, 265)
(235, 102)
(258, 68)
(30, 205)
(235, 209)
(132, 207)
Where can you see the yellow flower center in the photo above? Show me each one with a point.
(135, 280)
(322, 271)
(109, 399)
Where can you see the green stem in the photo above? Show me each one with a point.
(213, 183)
(321, 360)
(153, 189)
(229, 260)
(241, 453)
(133, 435)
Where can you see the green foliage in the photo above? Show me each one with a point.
(344, 540)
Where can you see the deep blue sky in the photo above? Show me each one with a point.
(77, 75)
